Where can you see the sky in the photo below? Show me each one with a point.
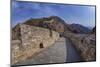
(22, 11)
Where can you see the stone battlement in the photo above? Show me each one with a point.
(31, 40)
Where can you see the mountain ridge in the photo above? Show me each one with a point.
(54, 22)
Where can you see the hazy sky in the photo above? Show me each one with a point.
(22, 11)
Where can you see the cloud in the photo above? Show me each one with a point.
(70, 13)
(43, 10)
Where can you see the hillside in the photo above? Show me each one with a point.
(77, 28)
(52, 22)
(58, 24)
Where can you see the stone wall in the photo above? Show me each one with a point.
(32, 40)
(85, 44)
(54, 54)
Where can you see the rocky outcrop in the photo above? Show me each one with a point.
(28, 40)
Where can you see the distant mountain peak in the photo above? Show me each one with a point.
(78, 28)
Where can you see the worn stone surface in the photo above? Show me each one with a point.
(32, 40)
(54, 54)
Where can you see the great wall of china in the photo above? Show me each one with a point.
(32, 40)
(36, 45)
